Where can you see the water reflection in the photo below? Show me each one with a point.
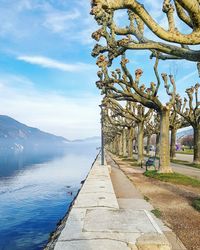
(35, 194)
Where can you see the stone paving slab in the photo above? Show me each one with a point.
(100, 199)
(74, 230)
(101, 187)
(121, 220)
(95, 244)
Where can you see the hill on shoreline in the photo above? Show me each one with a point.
(18, 136)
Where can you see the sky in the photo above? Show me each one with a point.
(47, 75)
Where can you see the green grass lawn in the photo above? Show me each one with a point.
(156, 212)
(174, 178)
(196, 204)
(186, 152)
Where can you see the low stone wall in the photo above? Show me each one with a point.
(96, 221)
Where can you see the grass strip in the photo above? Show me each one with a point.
(186, 152)
(157, 212)
(174, 178)
(196, 204)
(146, 198)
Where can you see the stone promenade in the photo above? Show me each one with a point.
(100, 221)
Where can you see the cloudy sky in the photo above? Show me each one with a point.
(47, 76)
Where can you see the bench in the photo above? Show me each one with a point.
(151, 162)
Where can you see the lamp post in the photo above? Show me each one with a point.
(102, 135)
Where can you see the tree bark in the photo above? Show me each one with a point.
(157, 151)
(112, 145)
(140, 142)
(117, 145)
(124, 145)
(196, 158)
(173, 143)
(130, 142)
(164, 142)
(136, 145)
(170, 36)
(121, 145)
(148, 144)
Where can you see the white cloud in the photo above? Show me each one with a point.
(71, 117)
(29, 23)
(186, 77)
(46, 62)
(59, 21)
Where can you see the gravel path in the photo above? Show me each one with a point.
(174, 202)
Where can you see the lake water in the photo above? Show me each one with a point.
(36, 191)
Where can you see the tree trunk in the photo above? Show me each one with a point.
(173, 143)
(118, 145)
(115, 147)
(140, 142)
(112, 147)
(148, 144)
(124, 146)
(136, 145)
(121, 145)
(196, 158)
(164, 143)
(130, 142)
(157, 152)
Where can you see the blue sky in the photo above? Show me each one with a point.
(47, 76)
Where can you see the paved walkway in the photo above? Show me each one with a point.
(103, 218)
(190, 171)
(184, 157)
(129, 197)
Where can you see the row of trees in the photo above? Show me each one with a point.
(130, 104)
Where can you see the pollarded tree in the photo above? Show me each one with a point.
(152, 128)
(176, 122)
(136, 113)
(123, 86)
(141, 116)
(124, 124)
(114, 117)
(192, 115)
(112, 134)
(126, 120)
(139, 18)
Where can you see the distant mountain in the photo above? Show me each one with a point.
(18, 137)
(89, 139)
(184, 133)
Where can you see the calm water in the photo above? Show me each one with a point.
(36, 191)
